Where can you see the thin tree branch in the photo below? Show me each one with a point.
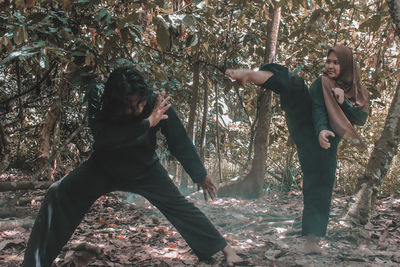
(34, 87)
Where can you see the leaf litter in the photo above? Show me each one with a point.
(125, 230)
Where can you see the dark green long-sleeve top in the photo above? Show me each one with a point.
(320, 115)
(127, 148)
(305, 108)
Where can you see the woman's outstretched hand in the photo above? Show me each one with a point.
(323, 138)
(208, 187)
(159, 110)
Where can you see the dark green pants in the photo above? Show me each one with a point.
(318, 164)
(68, 200)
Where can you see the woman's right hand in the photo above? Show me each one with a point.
(339, 95)
(323, 138)
(159, 110)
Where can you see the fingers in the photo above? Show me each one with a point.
(324, 140)
(213, 192)
(324, 144)
(205, 194)
(209, 189)
(331, 134)
(164, 102)
(161, 106)
(339, 94)
(158, 99)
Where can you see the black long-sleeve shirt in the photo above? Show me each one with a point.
(127, 148)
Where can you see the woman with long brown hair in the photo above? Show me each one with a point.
(317, 118)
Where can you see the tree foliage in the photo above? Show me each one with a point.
(43, 41)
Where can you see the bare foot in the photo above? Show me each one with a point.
(240, 75)
(230, 256)
(311, 246)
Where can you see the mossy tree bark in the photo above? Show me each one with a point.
(386, 148)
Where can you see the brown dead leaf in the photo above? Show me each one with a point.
(5, 243)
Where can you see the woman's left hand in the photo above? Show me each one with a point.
(339, 94)
(209, 188)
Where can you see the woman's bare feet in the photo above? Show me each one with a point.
(243, 76)
(311, 246)
(230, 256)
(240, 75)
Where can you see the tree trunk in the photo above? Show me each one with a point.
(48, 135)
(385, 150)
(21, 114)
(193, 100)
(394, 10)
(48, 128)
(252, 125)
(4, 151)
(204, 120)
(192, 115)
(252, 185)
(24, 185)
(217, 140)
(56, 152)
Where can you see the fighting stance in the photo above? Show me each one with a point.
(317, 119)
(124, 159)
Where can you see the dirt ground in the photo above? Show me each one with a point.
(125, 230)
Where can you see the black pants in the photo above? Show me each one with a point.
(319, 167)
(318, 164)
(68, 200)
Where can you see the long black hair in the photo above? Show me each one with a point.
(124, 82)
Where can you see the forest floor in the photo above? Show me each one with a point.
(125, 230)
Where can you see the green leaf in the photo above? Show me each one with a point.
(195, 40)
(372, 23)
(189, 21)
(20, 54)
(5, 42)
(109, 30)
(43, 62)
(189, 40)
(343, 4)
(36, 17)
(123, 62)
(78, 54)
(162, 36)
(101, 14)
(138, 27)
(316, 15)
(39, 44)
(53, 30)
(57, 16)
(21, 35)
